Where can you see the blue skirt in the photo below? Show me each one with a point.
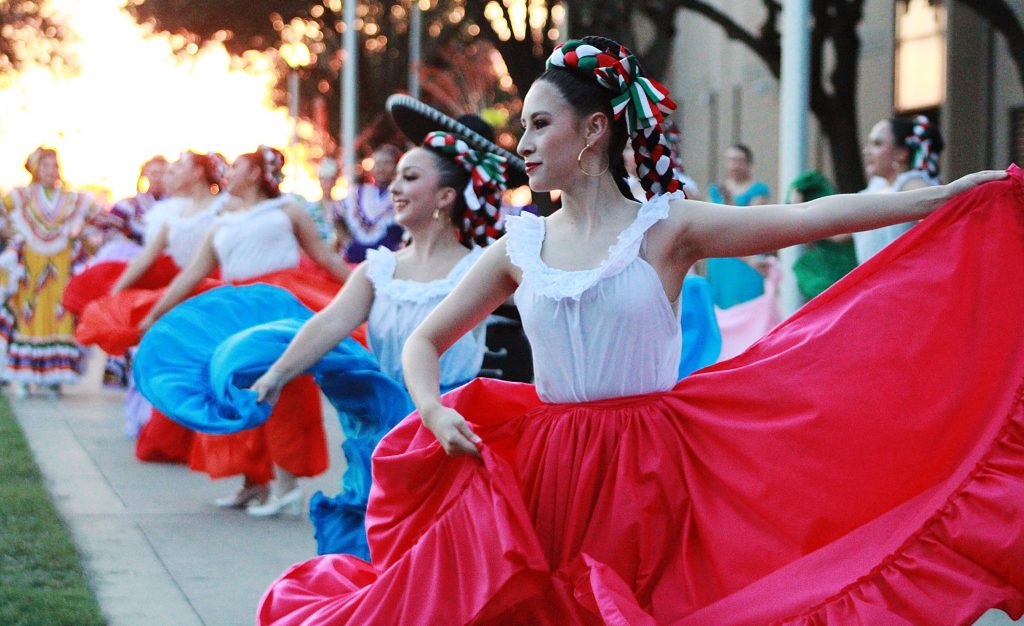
(197, 362)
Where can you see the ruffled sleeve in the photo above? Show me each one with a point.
(380, 266)
(524, 235)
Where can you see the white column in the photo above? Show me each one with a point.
(794, 91)
(349, 93)
(415, 41)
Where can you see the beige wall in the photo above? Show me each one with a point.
(726, 93)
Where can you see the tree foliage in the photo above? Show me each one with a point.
(31, 33)
(645, 26)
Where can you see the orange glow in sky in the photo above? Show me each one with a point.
(133, 99)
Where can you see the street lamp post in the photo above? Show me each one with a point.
(349, 101)
(415, 44)
(297, 56)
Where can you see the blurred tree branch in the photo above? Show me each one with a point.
(29, 33)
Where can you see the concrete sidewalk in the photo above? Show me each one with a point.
(155, 551)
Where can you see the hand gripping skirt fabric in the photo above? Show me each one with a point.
(209, 389)
(861, 464)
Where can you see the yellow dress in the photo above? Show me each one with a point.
(44, 224)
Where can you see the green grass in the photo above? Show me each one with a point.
(41, 580)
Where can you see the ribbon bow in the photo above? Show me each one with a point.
(487, 179)
(643, 101)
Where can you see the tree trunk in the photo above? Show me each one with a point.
(836, 111)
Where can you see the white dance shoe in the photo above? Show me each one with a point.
(244, 496)
(289, 503)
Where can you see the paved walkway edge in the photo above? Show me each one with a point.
(131, 582)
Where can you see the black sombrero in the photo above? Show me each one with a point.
(416, 120)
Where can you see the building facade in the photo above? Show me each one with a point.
(941, 59)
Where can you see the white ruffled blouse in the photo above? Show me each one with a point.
(606, 332)
(184, 234)
(400, 305)
(256, 242)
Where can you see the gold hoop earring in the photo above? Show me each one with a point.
(579, 163)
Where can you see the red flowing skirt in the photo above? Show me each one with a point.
(112, 321)
(161, 440)
(293, 437)
(97, 281)
(861, 464)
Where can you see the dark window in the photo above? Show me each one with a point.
(1017, 135)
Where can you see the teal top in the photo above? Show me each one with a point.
(756, 190)
(732, 280)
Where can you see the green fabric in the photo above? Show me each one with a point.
(812, 185)
(823, 264)
(826, 261)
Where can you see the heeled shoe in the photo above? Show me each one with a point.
(243, 497)
(290, 503)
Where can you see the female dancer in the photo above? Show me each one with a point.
(781, 486)
(441, 196)
(178, 227)
(825, 261)
(257, 234)
(368, 219)
(900, 155)
(43, 222)
(129, 214)
(174, 229)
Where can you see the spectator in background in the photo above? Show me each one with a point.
(736, 280)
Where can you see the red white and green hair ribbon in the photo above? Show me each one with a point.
(924, 155)
(271, 166)
(481, 223)
(643, 102)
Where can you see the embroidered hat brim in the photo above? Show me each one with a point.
(416, 120)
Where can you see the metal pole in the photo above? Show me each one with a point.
(415, 42)
(794, 90)
(293, 111)
(350, 97)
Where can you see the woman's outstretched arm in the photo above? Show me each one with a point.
(204, 262)
(323, 331)
(702, 230)
(488, 284)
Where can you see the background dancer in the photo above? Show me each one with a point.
(394, 292)
(129, 213)
(367, 218)
(258, 234)
(903, 154)
(823, 262)
(44, 225)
